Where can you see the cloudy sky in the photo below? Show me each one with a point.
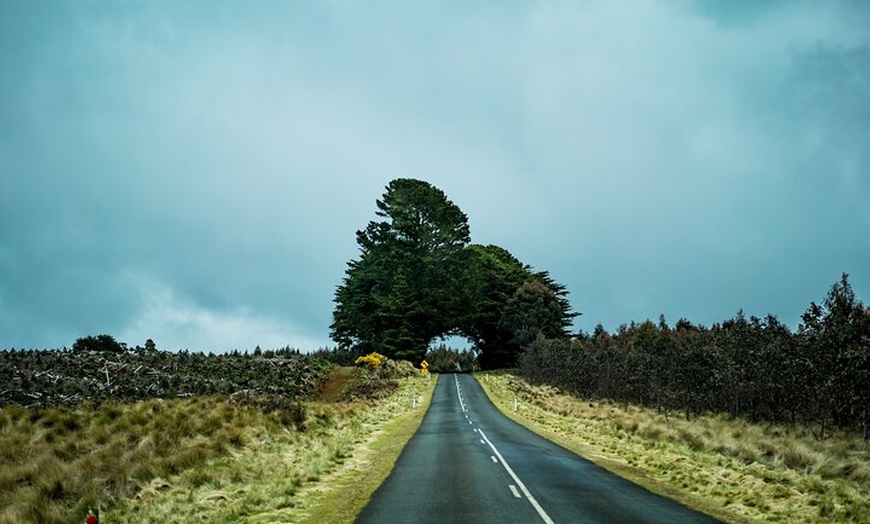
(194, 172)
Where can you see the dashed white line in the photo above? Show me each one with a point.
(498, 458)
(543, 514)
(459, 393)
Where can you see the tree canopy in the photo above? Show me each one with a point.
(418, 278)
(403, 290)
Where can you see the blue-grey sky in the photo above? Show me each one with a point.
(194, 172)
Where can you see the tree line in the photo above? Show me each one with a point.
(755, 368)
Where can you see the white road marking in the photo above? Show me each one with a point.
(546, 518)
(494, 459)
(459, 394)
(543, 514)
(514, 491)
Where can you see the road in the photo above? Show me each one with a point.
(468, 463)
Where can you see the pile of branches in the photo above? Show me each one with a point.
(48, 378)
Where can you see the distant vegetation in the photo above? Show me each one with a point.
(100, 369)
(753, 368)
(417, 278)
(443, 359)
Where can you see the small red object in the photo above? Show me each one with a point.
(91, 518)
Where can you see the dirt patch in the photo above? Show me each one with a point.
(339, 381)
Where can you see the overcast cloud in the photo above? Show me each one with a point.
(194, 172)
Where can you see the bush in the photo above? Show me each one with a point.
(398, 369)
(372, 361)
(104, 343)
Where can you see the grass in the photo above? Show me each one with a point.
(58, 462)
(728, 468)
(323, 474)
(202, 458)
(347, 491)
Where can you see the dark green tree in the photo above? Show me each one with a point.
(835, 340)
(405, 288)
(509, 306)
(532, 312)
(105, 343)
(492, 276)
(560, 293)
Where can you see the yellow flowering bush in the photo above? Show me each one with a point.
(371, 361)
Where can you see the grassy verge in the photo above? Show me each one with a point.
(323, 474)
(731, 469)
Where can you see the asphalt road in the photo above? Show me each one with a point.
(468, 463)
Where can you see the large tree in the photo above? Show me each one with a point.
(417, 279)
(492, 276)
(509, 305)
(404, 289)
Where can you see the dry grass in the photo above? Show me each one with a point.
(732, 469)
(58, 462)
(318, 475)
(204, 459)
(342, 495)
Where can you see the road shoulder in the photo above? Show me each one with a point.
(341, 496)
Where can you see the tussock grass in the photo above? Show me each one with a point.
(325, 473)
(204, 459)
(730, 468)
(56, 463)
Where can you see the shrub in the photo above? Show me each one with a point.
(397, 369)
(371, 361)
(105, 343)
